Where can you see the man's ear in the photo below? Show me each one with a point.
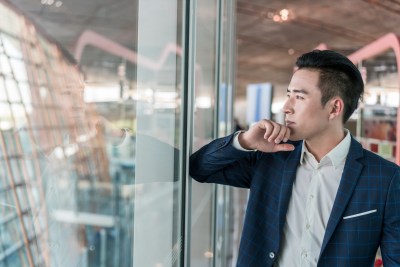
(337, 107)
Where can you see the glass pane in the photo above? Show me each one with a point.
(19, 69)
(12, 90)
(91, 133)
(20, 117)
(5, 67)
(3, 95)
(158, 185)
(11, 233)
(25, 93)
(3, 176)
(8, 208)
(11, 22)
(11, 46)
(204, 120)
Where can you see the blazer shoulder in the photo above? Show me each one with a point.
(367, 157)
(373, 157)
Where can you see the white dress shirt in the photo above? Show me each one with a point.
(313, 193)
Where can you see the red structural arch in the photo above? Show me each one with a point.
(99, 41)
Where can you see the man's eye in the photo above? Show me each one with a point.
(299, 97)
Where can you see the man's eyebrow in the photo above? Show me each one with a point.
(300, 91)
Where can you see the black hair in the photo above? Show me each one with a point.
(338, 76)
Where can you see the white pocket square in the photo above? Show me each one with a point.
(359, 214)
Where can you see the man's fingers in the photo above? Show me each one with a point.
(283, 147)
(267, 127)
(282, 135)
(275, 132)
(287, 135)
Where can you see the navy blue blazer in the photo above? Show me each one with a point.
(368, 182)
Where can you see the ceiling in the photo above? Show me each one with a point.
(268, 41)
(268, 47)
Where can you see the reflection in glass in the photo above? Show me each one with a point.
(55, 177)
(76, 190)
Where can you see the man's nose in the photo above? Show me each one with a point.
(287, 107)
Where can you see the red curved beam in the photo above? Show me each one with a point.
(96, 40)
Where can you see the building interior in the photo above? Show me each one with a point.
(103, 101)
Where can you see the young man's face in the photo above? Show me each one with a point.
(73, 105)
(305, 115)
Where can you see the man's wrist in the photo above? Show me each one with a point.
(238, 145)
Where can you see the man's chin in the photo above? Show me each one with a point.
(295, 138)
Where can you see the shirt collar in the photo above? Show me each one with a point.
(337, 155)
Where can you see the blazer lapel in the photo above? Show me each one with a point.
(351, 173)
(288, 176)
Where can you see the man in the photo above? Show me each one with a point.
(317, 198)
(72, 146)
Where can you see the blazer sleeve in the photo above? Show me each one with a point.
(390, 243)
(219, 162)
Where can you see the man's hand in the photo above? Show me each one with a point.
(266, 136)
(107, 129)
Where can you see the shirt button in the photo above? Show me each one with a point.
(308, 226)
(304, 254)
(271, 255)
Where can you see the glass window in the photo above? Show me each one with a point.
(93, 132)
(159, 135)
(202, 247)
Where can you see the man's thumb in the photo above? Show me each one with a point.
(284, 147)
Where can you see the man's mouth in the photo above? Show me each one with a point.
(289, 123)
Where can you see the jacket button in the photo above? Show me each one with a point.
(271, 255)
